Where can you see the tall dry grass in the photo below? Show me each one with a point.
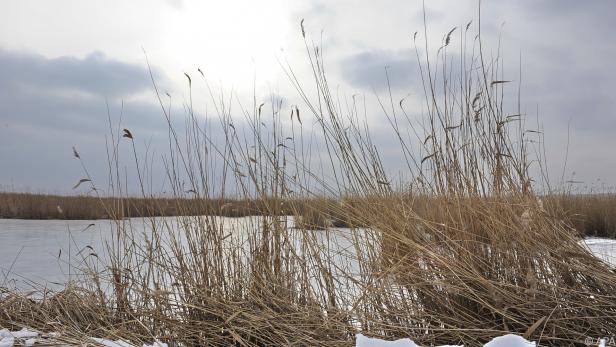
(463, 253)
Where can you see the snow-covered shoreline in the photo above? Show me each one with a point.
(508, 340)
(27, 337)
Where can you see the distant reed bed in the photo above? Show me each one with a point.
(317, 213)
(589, 215)
(42, 206)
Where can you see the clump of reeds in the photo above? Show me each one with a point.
(464, 253)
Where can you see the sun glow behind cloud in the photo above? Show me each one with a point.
(228, 40)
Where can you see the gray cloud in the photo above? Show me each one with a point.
(69, 113)
(50, 105)
(367, 69)
(94, 74)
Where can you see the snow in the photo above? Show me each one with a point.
(28, 337)
(24, 334)
(364, 341)
(7, 341)
(509, 340)
(122, 343)
(7, 338)
(109, 343)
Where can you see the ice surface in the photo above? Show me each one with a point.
(604, 249)
(32, 247)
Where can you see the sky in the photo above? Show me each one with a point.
(68, 66)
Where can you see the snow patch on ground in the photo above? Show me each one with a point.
(109, 343)
(26, 337)
(122, 343)
(364, 341)
(509, 340)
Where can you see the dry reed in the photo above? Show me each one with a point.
(463, 253)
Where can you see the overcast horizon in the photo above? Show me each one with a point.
(62, 63)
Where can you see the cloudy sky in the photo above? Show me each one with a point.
(64, 62)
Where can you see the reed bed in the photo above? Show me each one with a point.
(46, 206)
(312, 213)
(592, 215)
(464, 252)
(589, 215)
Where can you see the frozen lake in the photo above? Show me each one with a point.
(603, 248)
(50, 252)
(39, 252)
(36, 252)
